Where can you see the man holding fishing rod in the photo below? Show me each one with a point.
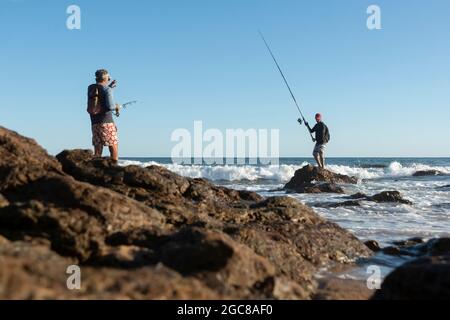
(321, 130)
(321, 139)
(100, 107)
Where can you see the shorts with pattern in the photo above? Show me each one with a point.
(104, 134)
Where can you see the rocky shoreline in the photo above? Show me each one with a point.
(148, 233)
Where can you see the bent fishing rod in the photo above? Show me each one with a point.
(286, 82)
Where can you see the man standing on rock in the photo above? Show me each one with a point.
(100, 107)
(322, 138)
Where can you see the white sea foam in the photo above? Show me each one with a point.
(284, 172)
(236, 173)
(397, 169)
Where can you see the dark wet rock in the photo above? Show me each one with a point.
(424, 278)
(445, 187)
(439, 246)
(417, 247)
(310, 179)
(350, 203)
(358, 195)
(392, 251)
(409, 242)
(386, 196)
(389, 196)
(373, 245)
(148, 233)
(424, 173)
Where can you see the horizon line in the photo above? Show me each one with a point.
(308, 157)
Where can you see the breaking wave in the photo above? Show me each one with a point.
(283, 172)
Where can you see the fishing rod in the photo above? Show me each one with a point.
(285, 81)
(124, 106)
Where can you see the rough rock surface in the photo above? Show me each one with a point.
(426, 277)
(33, 271)
(310, 179)
(147, 233)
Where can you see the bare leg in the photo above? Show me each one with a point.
(98, 150)
(317, 158)
(114, 151)
(322, 160)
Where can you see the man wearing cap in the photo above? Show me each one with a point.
(322, 138)
(104, 130)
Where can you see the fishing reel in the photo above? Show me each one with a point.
(123, 106)
(300, 121)
(118, 107)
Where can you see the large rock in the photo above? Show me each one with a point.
(78, 218)
(389, 196)
(23, 161)
(121, 223)
(310, 179)
(222, 263)
(426, 278)
(33, 271)
(425, 173)
(382, 197)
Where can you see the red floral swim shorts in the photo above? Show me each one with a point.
(104, 134)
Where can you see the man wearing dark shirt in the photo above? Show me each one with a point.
(322, 138)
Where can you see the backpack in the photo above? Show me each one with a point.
(94, 100)
(326, 135)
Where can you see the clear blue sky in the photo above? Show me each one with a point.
(382, 93)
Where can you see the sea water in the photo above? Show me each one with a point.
(428, 216)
